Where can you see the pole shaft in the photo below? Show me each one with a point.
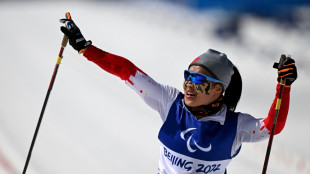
(63, 45)
(43, 109)
(273, 129)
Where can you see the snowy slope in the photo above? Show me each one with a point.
(94, 123)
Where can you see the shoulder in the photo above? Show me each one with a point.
(241, 118)
(244, 117)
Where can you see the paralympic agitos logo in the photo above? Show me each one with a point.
(188, 142)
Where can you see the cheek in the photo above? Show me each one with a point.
(184, 85)
(203, 88)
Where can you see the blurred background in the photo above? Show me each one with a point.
(94, 123)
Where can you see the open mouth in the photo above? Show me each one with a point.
(190, 94)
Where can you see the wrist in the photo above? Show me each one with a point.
(285, 89)
(82, 47)
(83, 50)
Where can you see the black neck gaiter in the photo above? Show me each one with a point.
(206, 110)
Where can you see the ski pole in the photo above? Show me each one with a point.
(63, 45)
(278, 104)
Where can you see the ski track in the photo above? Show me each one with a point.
(94, 123)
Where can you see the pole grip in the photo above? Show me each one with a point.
(283, 81)
(65, 38)
(64, 41)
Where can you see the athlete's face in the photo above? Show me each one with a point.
(200, 94)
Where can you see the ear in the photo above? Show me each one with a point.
(218, 88)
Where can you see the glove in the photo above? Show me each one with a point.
(76, 39)
(286, 70)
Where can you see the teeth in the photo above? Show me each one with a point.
(189, 93)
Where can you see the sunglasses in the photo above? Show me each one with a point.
(199, 78)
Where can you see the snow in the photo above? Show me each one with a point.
(94, 123)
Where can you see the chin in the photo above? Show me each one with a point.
(190, 103)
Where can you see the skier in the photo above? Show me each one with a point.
(200, 133)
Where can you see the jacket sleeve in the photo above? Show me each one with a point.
(157, 96)
(111, 63)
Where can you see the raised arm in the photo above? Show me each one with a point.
(157, 96)
(252, 129)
